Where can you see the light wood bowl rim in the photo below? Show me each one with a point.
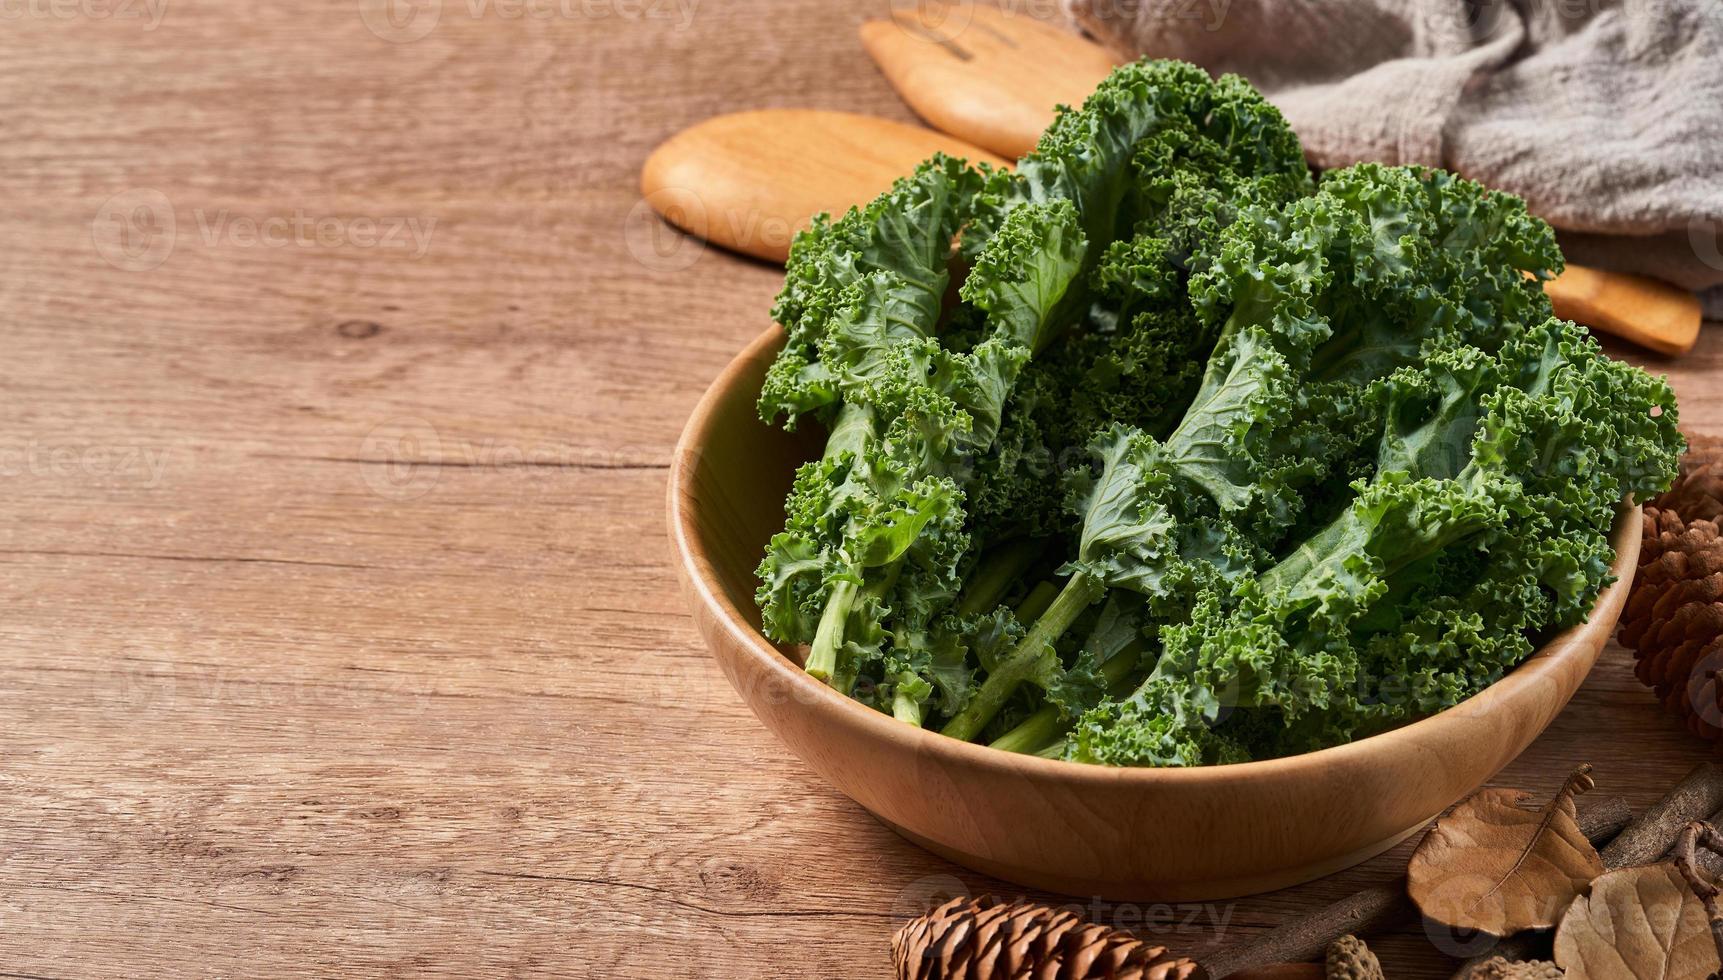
(1533, 677)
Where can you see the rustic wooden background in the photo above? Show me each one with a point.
(342, 369)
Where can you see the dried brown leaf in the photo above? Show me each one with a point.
(1637, 924)
(1494, 866)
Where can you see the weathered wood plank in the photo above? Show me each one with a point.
(274, 702)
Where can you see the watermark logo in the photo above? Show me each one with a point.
(941, 21)
(1459, 891)
(1467, 25)
(654, 243)
(134, 230)
(678, 239)
(1705, 690)
(1702, 234)
(401, 21)
(925, 894)
(401, 454)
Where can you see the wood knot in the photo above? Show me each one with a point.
(275, 872)
(358, 329)
(731, 880)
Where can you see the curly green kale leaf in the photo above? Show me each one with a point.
(1485, 526)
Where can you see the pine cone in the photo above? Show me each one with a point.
(989, 939)
(1673, 620)
(1698, 492)
(1350, 959)
(1497, 968)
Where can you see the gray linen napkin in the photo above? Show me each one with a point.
(1605, 115)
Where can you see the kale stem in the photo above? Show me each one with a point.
(1045, 727)
(823, 658)
(1118, 668)
(903, 707)
(1038, 730)
(844, 680)
(999, 570)
(1036, 602)
(1020, 664)
(882, 585)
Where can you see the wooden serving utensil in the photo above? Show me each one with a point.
(994, 79)
(749, 180)
(1647, 311)
(982, 74)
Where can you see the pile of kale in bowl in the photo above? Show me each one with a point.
(1161, 451)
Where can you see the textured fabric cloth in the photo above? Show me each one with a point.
(1605, 115)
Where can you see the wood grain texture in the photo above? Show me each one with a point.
(282, 704)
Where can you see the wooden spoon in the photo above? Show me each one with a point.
(1647, 311)
(995, 78)
(750, 180)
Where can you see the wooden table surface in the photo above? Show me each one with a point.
(343, 366)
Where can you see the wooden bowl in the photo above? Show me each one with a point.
(1136, 834)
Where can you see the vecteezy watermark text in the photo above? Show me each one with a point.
(137, 230)
(150, 12)
(140, 464)
(303, 230)
(404, 21)
(404, 457)
(947, 21)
